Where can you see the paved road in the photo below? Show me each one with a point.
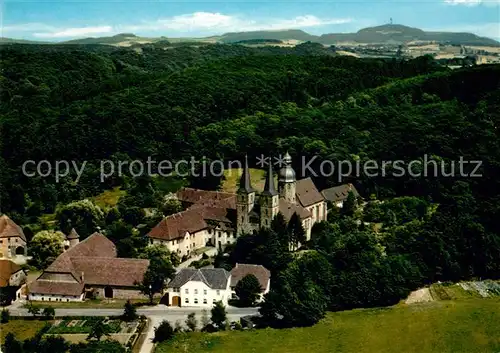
(167, 313)
(155, 315)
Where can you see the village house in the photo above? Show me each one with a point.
(338, 194)
(262, 274)
(12, 278)
(89, 269)
(12, 238)
(215, 218)
(199, 288)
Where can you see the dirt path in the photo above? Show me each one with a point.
(421, 295)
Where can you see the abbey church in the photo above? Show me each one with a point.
(216, 218)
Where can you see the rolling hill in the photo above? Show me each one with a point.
(385, 34)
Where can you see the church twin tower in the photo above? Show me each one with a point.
(247, 208)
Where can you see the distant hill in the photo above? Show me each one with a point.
(5, 40)
(399, 34)
(385, 34)
(295, 34)
(116, 39)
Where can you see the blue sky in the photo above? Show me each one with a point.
(68, 19)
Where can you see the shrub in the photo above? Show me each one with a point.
(49, 312)
(5, 316)
(129, 312)
(163, 332)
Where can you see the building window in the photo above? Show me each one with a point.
(214, 301)
(204, 292)
(204, 300)
(186, 291)
(186, 300)
(196, 300)
(196, 291)
(218, 292)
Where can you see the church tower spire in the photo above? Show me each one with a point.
(269, 188)
(269, 200)
(244, 201)
(245, 184)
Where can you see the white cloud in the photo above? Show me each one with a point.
(74, 32)
(473, 2)
(217, 23)
(200, 23)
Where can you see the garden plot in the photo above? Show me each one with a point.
(82, 326)
(76, 331)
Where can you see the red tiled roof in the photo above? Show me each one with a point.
(110, 271)
(306, 192)
(42, 286)
(175, 226)
(339, 193)
(9, 229)
(288, 209)
(207, 197)
(241, 270)
(95, 259)
(7, 269)
(96, 245)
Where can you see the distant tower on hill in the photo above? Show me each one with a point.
(391, 20)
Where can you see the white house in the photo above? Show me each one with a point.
(199, 288)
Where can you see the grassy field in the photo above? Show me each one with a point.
(232, 178)
(108, 198)
(463, 326)
(22, 329)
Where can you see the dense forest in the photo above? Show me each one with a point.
(89, 103)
